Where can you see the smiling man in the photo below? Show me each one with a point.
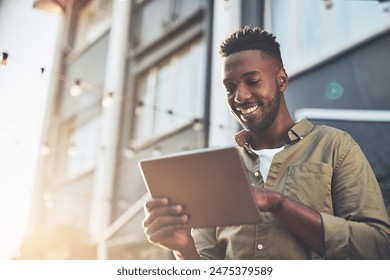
(317, 193)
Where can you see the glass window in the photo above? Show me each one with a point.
(153, 19)
(82, 148)
(309, 31)
(93, 20)
(170, 94)
(88, 69)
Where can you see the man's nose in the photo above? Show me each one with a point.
(242, 95)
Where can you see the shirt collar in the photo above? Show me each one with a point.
(295, 134)
(299, 131)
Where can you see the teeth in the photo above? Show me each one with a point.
(247, 111)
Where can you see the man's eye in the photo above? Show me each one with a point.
(252, 82)
(229, 89)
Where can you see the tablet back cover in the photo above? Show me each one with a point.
(211, 185)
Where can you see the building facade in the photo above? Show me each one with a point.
(141, 78)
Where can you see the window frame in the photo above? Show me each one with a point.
(196, 42)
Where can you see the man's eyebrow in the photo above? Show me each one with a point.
(251, 73)
(246, 74)
(225, 81)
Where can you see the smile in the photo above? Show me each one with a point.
(248, 110)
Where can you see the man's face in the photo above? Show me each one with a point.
(253, 94)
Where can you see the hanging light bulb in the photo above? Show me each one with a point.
(156, 152)
(139, 109)
(72, 151)
(44, 150)
(47, 196)
(42, 73)
(197, 125)
(128, 152)
(226, 5)
(4, 60)
(385, 6)
(328, 4)
(76, 89)
(48, 200)
(108, 99)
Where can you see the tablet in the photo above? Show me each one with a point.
(211, 185)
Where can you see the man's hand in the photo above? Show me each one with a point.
(304, 221)
(267, 200)
(165, 225)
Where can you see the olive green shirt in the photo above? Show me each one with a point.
(325, 169)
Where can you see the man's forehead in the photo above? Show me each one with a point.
(248, 57)
(248, 61)
(227, 78)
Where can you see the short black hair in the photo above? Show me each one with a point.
(251, 39)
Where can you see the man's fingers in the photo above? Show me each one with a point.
(165, 232)
(157, 212)
(155, 202)
(165, 221)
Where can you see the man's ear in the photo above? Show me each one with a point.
(282, 79)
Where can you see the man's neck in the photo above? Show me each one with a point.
(274, 137)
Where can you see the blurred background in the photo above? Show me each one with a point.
(89, 87)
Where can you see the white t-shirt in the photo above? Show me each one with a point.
(266, 156)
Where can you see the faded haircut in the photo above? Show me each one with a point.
(251, 39)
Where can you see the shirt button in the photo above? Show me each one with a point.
(257, 174)
(260, 246)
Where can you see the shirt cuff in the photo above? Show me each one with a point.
(336, 235)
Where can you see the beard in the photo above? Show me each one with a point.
(269, 113)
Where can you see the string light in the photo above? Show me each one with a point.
(108, 99)
(156, 152)
(72, 150)
(42, 72)
(4, 60)
(44, 150)
(328, 4)
(128, 152)
(139, 110)
(48, 200)
(385, 5)
(78, 86)
(226, 5)
(76, 89)
(197, 125)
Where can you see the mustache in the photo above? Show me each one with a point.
(248, 104)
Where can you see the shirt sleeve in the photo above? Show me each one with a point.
(206, 243)
(359, 228)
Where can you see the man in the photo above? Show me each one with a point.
(317, 193)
